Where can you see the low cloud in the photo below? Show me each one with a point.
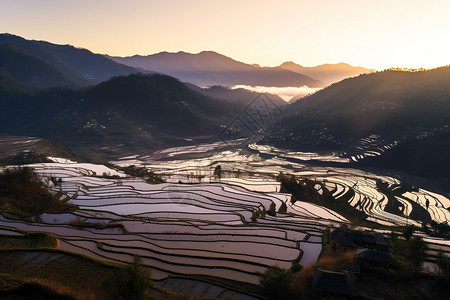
(286, 93)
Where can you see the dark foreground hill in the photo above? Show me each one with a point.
(411, 109)
(80, 65)
(128, 114)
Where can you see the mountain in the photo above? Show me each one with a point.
(79, 63)
(124, 115)
(29, 69)
(210, 68)
(26, 149)
(406, 111)
(238, 96)
(10, 88)
(327, 73)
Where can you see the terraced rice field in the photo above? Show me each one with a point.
(356, 187)
(210, 229)
(363, 194)
(215, 227)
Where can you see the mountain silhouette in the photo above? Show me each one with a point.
(327, 73)
(80, 63)
(210, 68)
(31, 70)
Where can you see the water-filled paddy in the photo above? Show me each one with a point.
(215, 225)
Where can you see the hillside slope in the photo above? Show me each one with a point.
(124, 115)
(31, 70)
(373, 112)
(78, 62)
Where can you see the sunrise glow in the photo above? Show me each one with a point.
(373, 34)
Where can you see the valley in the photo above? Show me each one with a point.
(179, 176)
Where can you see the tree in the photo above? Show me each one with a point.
(408, 232)
(275, 283)
(129, 283)
(218, 171)
(272, 212)
(410, 251)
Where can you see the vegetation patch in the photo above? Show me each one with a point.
(28, 241)
(408, 251)
(149, 176)
(23, 194)
(63, 275)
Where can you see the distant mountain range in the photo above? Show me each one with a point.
(45, 64)
(210, 68)
(327, 73)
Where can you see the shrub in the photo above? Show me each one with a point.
(409, 253)
(283, 208)
(272, 212)
(301, 284)
(149, 176)
(40, 239)
(336, 259)
(22, 193)
(275, 283)
(218, 171)
(129, 283)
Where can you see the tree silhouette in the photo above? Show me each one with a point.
(218, 171)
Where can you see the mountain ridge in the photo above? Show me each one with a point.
(368, 113)
(29, 69)
(79, 62)
(211, 68)
(328, 73)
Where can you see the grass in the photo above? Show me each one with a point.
(335, 259)
(46, 273)
(64, 274)
(67, 275)
(61, 273)
(29, 240)
(17, 287)
(246, 288)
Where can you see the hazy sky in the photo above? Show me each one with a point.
(376, 34)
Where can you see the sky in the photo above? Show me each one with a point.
(375, 34)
